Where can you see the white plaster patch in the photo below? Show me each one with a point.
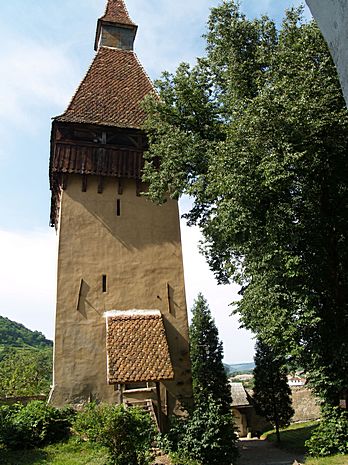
(111, 313)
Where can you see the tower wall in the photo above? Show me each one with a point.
(139, 255)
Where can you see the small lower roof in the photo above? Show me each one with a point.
(137, 347)
(239, 395)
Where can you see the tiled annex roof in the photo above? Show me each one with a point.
(116, 12)
(239, 395)
(111, 92)
(137, 347)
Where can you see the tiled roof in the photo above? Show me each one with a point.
(116, 12)
(111, 92)
(137, 347)
(239, 395)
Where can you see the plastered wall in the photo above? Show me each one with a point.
(332, 18)
(139, 252)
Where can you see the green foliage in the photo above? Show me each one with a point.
(25, 371)
(36, 424)
(14, 334)
(331, 437)
(257, 134)
(293, 437)
(25, 361)
(126, 433)
(206, 437)
(208, 373)
(210, 436)
(272, 394)
(71, 452)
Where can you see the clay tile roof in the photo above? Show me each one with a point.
(239, 395)
(137, 347)
(111, 92)
(116, 12)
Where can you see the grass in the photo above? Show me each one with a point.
(294, 437)
(64, 453)
(334, 460)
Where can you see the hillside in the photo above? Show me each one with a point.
(14, 334)
(240, 367)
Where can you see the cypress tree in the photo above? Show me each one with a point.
(272, 394)
(208, 372)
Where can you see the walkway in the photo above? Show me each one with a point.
(258, 452)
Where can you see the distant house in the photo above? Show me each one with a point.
(295, 381)
(245, 417)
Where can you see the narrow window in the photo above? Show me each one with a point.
(118, 207)
(104, 282)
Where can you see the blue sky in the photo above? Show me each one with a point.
(46, 48)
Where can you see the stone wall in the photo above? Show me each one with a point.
(306, 406)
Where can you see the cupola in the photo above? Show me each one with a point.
(115, 29)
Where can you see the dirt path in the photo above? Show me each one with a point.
(255, 452)
(258, 452)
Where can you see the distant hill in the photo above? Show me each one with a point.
(14, 334)
(240, 367)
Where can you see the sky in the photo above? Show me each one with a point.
(46, 48)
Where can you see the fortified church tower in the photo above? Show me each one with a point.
(121, 319)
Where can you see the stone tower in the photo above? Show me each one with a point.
(121, 320)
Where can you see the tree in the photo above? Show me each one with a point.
(272, 394)
(257, 134)
(25, 372)
(208, 373)
(207, 435)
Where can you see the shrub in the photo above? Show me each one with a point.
(126, 433)
(331, 436)
(206, 437)
(34, 424)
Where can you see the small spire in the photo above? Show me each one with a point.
(116, 22)
(116, 12)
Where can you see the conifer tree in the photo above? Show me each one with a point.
(208, 373)
(272, 394)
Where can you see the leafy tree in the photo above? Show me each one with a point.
(272, 394)
(330, 437)
(25, 372)
(257, 134)
(208, 372)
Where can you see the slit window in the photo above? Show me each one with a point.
(104, 282)
(118, 207)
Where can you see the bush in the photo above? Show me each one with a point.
(331, 436)
(126, 433)
(32, 425)
(207, 437)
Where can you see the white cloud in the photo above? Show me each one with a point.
(28, 279)
(33, 76)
